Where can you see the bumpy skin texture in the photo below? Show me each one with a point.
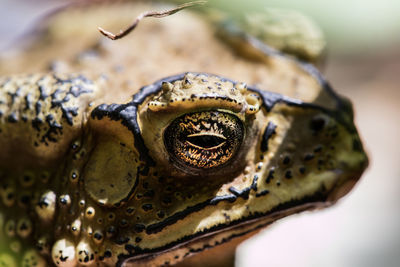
(47, 111)
(87, 182)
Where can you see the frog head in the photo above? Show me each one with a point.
(195, 160)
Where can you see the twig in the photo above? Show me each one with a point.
(155, 14)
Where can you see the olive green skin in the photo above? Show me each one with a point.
(88, 182)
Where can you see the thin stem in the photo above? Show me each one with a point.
(154, 14)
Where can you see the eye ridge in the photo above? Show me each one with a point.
(206, 141)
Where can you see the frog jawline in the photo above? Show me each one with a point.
(315, 201)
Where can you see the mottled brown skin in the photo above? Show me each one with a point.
(87, 182)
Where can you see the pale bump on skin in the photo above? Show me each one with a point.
(9, 228)
(84, 253)
(63, 253)
(24, 227)
(43, 245)
(15, 246)
(8, 195)
(46, 206)
(32, 258)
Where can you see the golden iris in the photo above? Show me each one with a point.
(204, 140)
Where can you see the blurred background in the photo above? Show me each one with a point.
(363, 63)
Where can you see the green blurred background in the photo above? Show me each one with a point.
(363, 63)
(352, 26)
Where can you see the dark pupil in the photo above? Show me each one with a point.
(205, 141)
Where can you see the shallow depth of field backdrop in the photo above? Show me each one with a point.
(363, 229)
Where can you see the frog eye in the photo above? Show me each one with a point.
(204, 140)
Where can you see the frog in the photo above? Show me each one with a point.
(168, 147)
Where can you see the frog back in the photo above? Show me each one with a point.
(41, 114)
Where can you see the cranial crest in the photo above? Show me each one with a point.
(205, 91)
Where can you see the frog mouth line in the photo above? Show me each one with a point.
(320, 199)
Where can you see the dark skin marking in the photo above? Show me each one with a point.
(308, 157)
(244, 193)
(98, 236)
(69, 113)
(42, 93)
(71, 80)
(270, 175)
(268, 132)
(147, 207)
(286, 160)
(111, 231)
(288, 174)
(36, 122)
(254, 183)
(28, 102)
(14, 95)
(54, 129)
(122, 240)
(240, 193)
(317, 124)
(12, 118)
(139, 227)
(318, 149)
(302, 170)
(130, 210)
(123, 223)
(262, 193)
(38, 108)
